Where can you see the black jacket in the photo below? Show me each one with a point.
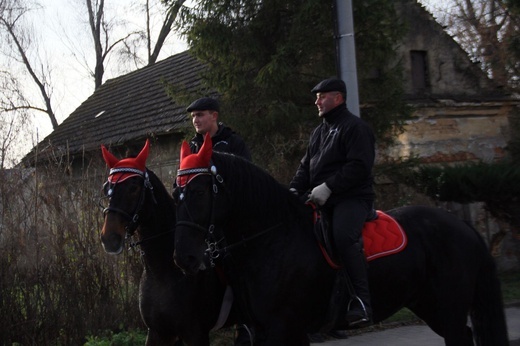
(341, 152)
(225, 140)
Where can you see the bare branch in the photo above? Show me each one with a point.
(9, 19)
(485, 28)
(166, 28)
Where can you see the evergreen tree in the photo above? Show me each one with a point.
(264, 57)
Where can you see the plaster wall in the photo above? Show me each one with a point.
(457, 133)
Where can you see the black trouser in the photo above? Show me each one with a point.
(348, 217)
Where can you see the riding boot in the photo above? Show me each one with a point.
(359, 309)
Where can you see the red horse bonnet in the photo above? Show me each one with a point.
(129, 167)
(194, 164)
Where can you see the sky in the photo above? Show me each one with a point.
(62, 31)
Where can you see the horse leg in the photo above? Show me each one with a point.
(201, 339)
(154, 339)
(449, 324)
(278, 335)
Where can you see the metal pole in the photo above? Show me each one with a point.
(346, 53)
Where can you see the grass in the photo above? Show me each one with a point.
(402, 316)
(510, 287)
(129, 338)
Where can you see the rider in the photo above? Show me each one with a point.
(204, 115)
(337, 170)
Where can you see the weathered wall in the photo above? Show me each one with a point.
(448, 132)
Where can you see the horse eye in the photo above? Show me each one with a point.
(135, 189)
(107, 189)
(176, 195)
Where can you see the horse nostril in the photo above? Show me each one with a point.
(112, 244)
(189, 264)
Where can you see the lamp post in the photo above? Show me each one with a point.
(346, 52)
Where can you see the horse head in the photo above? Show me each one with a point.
(124, 194)
(194, 197)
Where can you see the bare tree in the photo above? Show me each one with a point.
(18, 38)
(485, 29)
(13, 118)
(172, 10)
(102, 30)
(482, 23)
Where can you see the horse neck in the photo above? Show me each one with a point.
(252, 193)
(156, 230)
(250, 201)
(280, 214)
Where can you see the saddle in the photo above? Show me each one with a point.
(381, 236)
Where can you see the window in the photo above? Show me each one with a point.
(420, 75)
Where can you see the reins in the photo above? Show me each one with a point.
(254, 236)
(213, 249)
(140, 242)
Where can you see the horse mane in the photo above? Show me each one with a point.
(255, 191)
(158, 185)
(163, 198)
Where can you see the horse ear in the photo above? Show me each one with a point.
(185, 150)
(201, 159)
(109, 158)
(140, 160)
(206, 150)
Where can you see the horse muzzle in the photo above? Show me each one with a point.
(113, 244)
(190, 265)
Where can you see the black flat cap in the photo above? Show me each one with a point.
(331, 84)
(203, 104)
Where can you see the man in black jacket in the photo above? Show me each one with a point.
(337, 171)
(204, 116)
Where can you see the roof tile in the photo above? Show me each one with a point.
(127, 107)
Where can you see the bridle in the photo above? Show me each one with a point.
(109, 186)
(212, 243)
(213, 240)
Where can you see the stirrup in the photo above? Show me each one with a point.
(364, 319)
(249, 332)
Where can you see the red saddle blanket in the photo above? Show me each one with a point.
(383, 236)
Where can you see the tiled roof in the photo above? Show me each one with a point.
(126, 108)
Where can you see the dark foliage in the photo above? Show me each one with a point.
(495, 184)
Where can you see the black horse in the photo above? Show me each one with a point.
(264, 235)
(173, 306)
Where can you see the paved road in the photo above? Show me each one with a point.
(419, 334)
